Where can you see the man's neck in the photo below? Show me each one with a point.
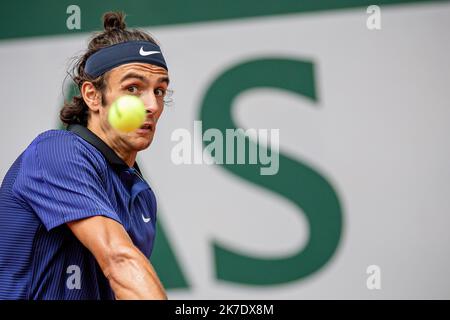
(118, 147)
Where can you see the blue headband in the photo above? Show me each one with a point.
(132, 51)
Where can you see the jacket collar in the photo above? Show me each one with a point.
(114, 160)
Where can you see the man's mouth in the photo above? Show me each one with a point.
(147, 126)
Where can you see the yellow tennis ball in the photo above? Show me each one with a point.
(127, 113)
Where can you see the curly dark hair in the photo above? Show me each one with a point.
(76, 111)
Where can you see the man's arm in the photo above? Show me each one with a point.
(129, 272)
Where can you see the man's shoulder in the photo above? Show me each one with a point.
(63, 143)
(55, 137)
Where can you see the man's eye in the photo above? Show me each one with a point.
(132, 89)
(160, 92)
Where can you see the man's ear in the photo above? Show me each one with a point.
(91, 96)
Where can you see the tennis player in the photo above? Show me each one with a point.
(77, 219)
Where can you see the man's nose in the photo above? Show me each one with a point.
(150, 102)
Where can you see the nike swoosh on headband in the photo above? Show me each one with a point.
(146, 53)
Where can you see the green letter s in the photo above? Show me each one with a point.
(296, 181)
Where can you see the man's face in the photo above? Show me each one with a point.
(148, 82)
